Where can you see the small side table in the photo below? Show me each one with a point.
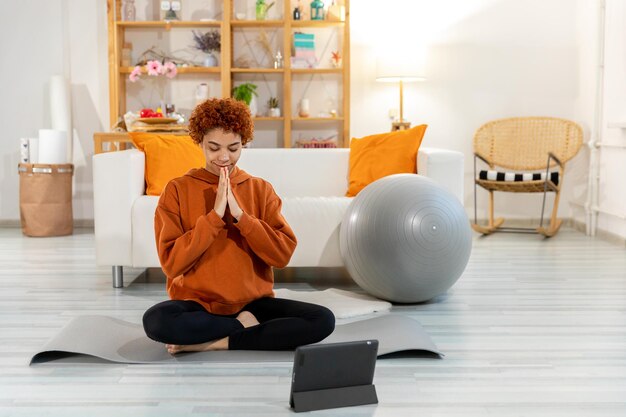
(118, 141)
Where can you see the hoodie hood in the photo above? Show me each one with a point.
(237, 176)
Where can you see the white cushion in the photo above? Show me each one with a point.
(315, 222)
(300, 172)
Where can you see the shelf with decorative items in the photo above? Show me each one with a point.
(257, 42)
(272, 59)
(180, 70)
(316, 24)
(172, 37)
(320, 75)
(318, 119)
(258, 70)
(258, 23)
(268, 119)
(168, 24)
(317, 70)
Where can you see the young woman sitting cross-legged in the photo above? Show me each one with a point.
(219, 232)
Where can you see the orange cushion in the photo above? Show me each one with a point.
(377, 156)
(167, 157)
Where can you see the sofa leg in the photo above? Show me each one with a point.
(118, 276)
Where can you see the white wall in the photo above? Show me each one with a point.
(88, 71)
(30, 54)
(67, 37)
(485, 59)
(612, 161)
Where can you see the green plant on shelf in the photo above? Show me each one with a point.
(244, 92)
(262, 8)
(273, 110)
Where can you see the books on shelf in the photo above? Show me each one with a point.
(303, 51)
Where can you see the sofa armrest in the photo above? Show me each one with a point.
(118, 180)
(443, 166)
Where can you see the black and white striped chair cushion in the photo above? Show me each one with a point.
(517, 177)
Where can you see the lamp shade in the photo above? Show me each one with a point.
(394, 68)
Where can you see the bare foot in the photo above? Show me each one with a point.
(247, 319)
(221, 344)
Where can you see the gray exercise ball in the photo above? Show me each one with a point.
(405, 239)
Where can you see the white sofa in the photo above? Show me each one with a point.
(311, 182)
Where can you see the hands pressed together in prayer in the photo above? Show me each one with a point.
(225, 197)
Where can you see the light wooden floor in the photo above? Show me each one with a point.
(533, 328)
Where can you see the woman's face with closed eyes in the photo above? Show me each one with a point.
(221, 149)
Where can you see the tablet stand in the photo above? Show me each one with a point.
(334, 398)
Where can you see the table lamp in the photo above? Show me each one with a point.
(401, 69)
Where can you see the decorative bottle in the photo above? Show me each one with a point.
(128, 10)
(336, 12)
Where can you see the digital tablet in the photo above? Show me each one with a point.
(333, 375)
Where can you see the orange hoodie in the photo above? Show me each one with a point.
(216, 262)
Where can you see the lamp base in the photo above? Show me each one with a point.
(400, 126)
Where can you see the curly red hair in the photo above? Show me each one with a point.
(227, 114)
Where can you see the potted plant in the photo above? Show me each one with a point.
(274, 110)
(246, 92)
(262, 8)
(208, 43)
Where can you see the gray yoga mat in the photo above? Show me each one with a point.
(120, 341)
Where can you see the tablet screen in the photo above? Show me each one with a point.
(334, 365)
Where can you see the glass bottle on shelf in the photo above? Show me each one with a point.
(128, 10)
(296, 13)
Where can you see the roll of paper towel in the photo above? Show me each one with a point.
(60, 109)
(52, 146)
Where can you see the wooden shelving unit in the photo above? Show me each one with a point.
(168, 24)
(257, 70)
(181, 70)
(227, 72)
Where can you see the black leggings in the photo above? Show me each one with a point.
(284, 324)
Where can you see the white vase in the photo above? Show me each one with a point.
(305, 110)
(253, 106)
(274, 112)
(210, 60)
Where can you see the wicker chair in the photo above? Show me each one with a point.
(524, 144)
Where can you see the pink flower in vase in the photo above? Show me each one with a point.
(154, 68)
(158, 72)
(134, 74)
(169, 69)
